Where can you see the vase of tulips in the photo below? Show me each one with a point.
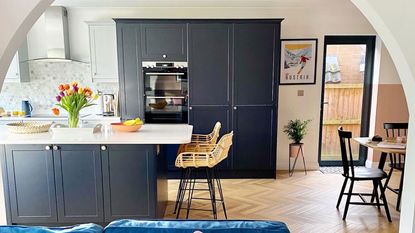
(73, 98)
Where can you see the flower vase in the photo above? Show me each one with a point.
(73, 120)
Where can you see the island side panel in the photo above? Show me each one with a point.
(129, 179)
(162, 182)
(5, 182)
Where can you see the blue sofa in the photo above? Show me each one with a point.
(165, 226)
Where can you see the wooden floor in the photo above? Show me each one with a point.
(304, 203)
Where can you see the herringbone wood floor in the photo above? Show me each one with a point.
(304, 203)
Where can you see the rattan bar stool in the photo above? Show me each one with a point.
(202, 158)
(197, 139)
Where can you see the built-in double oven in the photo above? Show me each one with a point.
(165, 92)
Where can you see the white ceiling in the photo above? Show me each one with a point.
(190, 3)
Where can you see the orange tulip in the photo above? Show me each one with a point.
(66, 86)
(61, 87)
(87, 92)
(74, 84)
(55, 111)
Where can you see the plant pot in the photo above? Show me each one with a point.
(294, 149)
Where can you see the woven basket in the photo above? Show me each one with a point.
(28, 127)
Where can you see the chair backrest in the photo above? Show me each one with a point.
(221, 150)
(395, 129)
(214, 135)
(346, 152)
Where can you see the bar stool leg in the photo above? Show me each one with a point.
(212, 192)
(183, 192)
(179, 191)
(190, 197)
(222, 199)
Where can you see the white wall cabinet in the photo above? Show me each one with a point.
(103, 50)
(18, 72)
(13, 74)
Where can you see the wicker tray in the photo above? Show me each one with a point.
(28, 127)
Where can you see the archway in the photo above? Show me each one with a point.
(16, 18)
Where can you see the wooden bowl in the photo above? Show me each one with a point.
(120, 127)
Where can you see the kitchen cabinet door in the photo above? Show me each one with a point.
(127, 180)
(130, 71)
(210, 63)
(204, 118)
(254, 138)
(78, 183)
(103, 52)
(31, 184)
(255, 63)
(164, 42)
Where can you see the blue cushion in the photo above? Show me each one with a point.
(83, 228)
(191, 226)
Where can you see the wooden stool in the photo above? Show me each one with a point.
(210, 138)
(202, 157)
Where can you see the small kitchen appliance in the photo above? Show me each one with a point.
(108, 104)
(27, 108)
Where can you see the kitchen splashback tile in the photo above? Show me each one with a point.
(44, 79)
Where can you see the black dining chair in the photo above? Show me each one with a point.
(350, 172)
(397, 161)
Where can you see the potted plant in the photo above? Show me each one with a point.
(73, 99)
(296, 130)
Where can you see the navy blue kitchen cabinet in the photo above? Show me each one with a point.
(70, 184)
(233, 72)
(164, 41)
(254, 145)
(210, 57)
(29, 179)
(78, 183)
(203, 118)
(255, 63)
(130, 72)
(130, 190)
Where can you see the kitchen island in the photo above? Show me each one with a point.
(98, 178)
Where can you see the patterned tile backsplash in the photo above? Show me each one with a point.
(44, 79)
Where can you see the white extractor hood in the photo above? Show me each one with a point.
(48, 40)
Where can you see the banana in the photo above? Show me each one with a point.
(136, 121)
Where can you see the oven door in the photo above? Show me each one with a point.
(166, 97)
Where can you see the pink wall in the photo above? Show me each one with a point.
(391, 107)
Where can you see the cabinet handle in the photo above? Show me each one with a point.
(190, 108)
(95, 74)
(235, 108)
(164, 55)
(47, 148)
(55, 147)
(104, 148)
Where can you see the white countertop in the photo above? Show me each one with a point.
(148, 134)
(91, 117)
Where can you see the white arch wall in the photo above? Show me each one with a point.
(16, 18)
(393, 21)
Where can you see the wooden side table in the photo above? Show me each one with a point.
(299, 152)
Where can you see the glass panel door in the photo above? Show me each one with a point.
(347, 84)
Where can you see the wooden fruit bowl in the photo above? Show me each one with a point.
(120, 127)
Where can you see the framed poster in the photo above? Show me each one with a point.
(298, 61)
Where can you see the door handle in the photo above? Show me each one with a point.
(326, 102)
